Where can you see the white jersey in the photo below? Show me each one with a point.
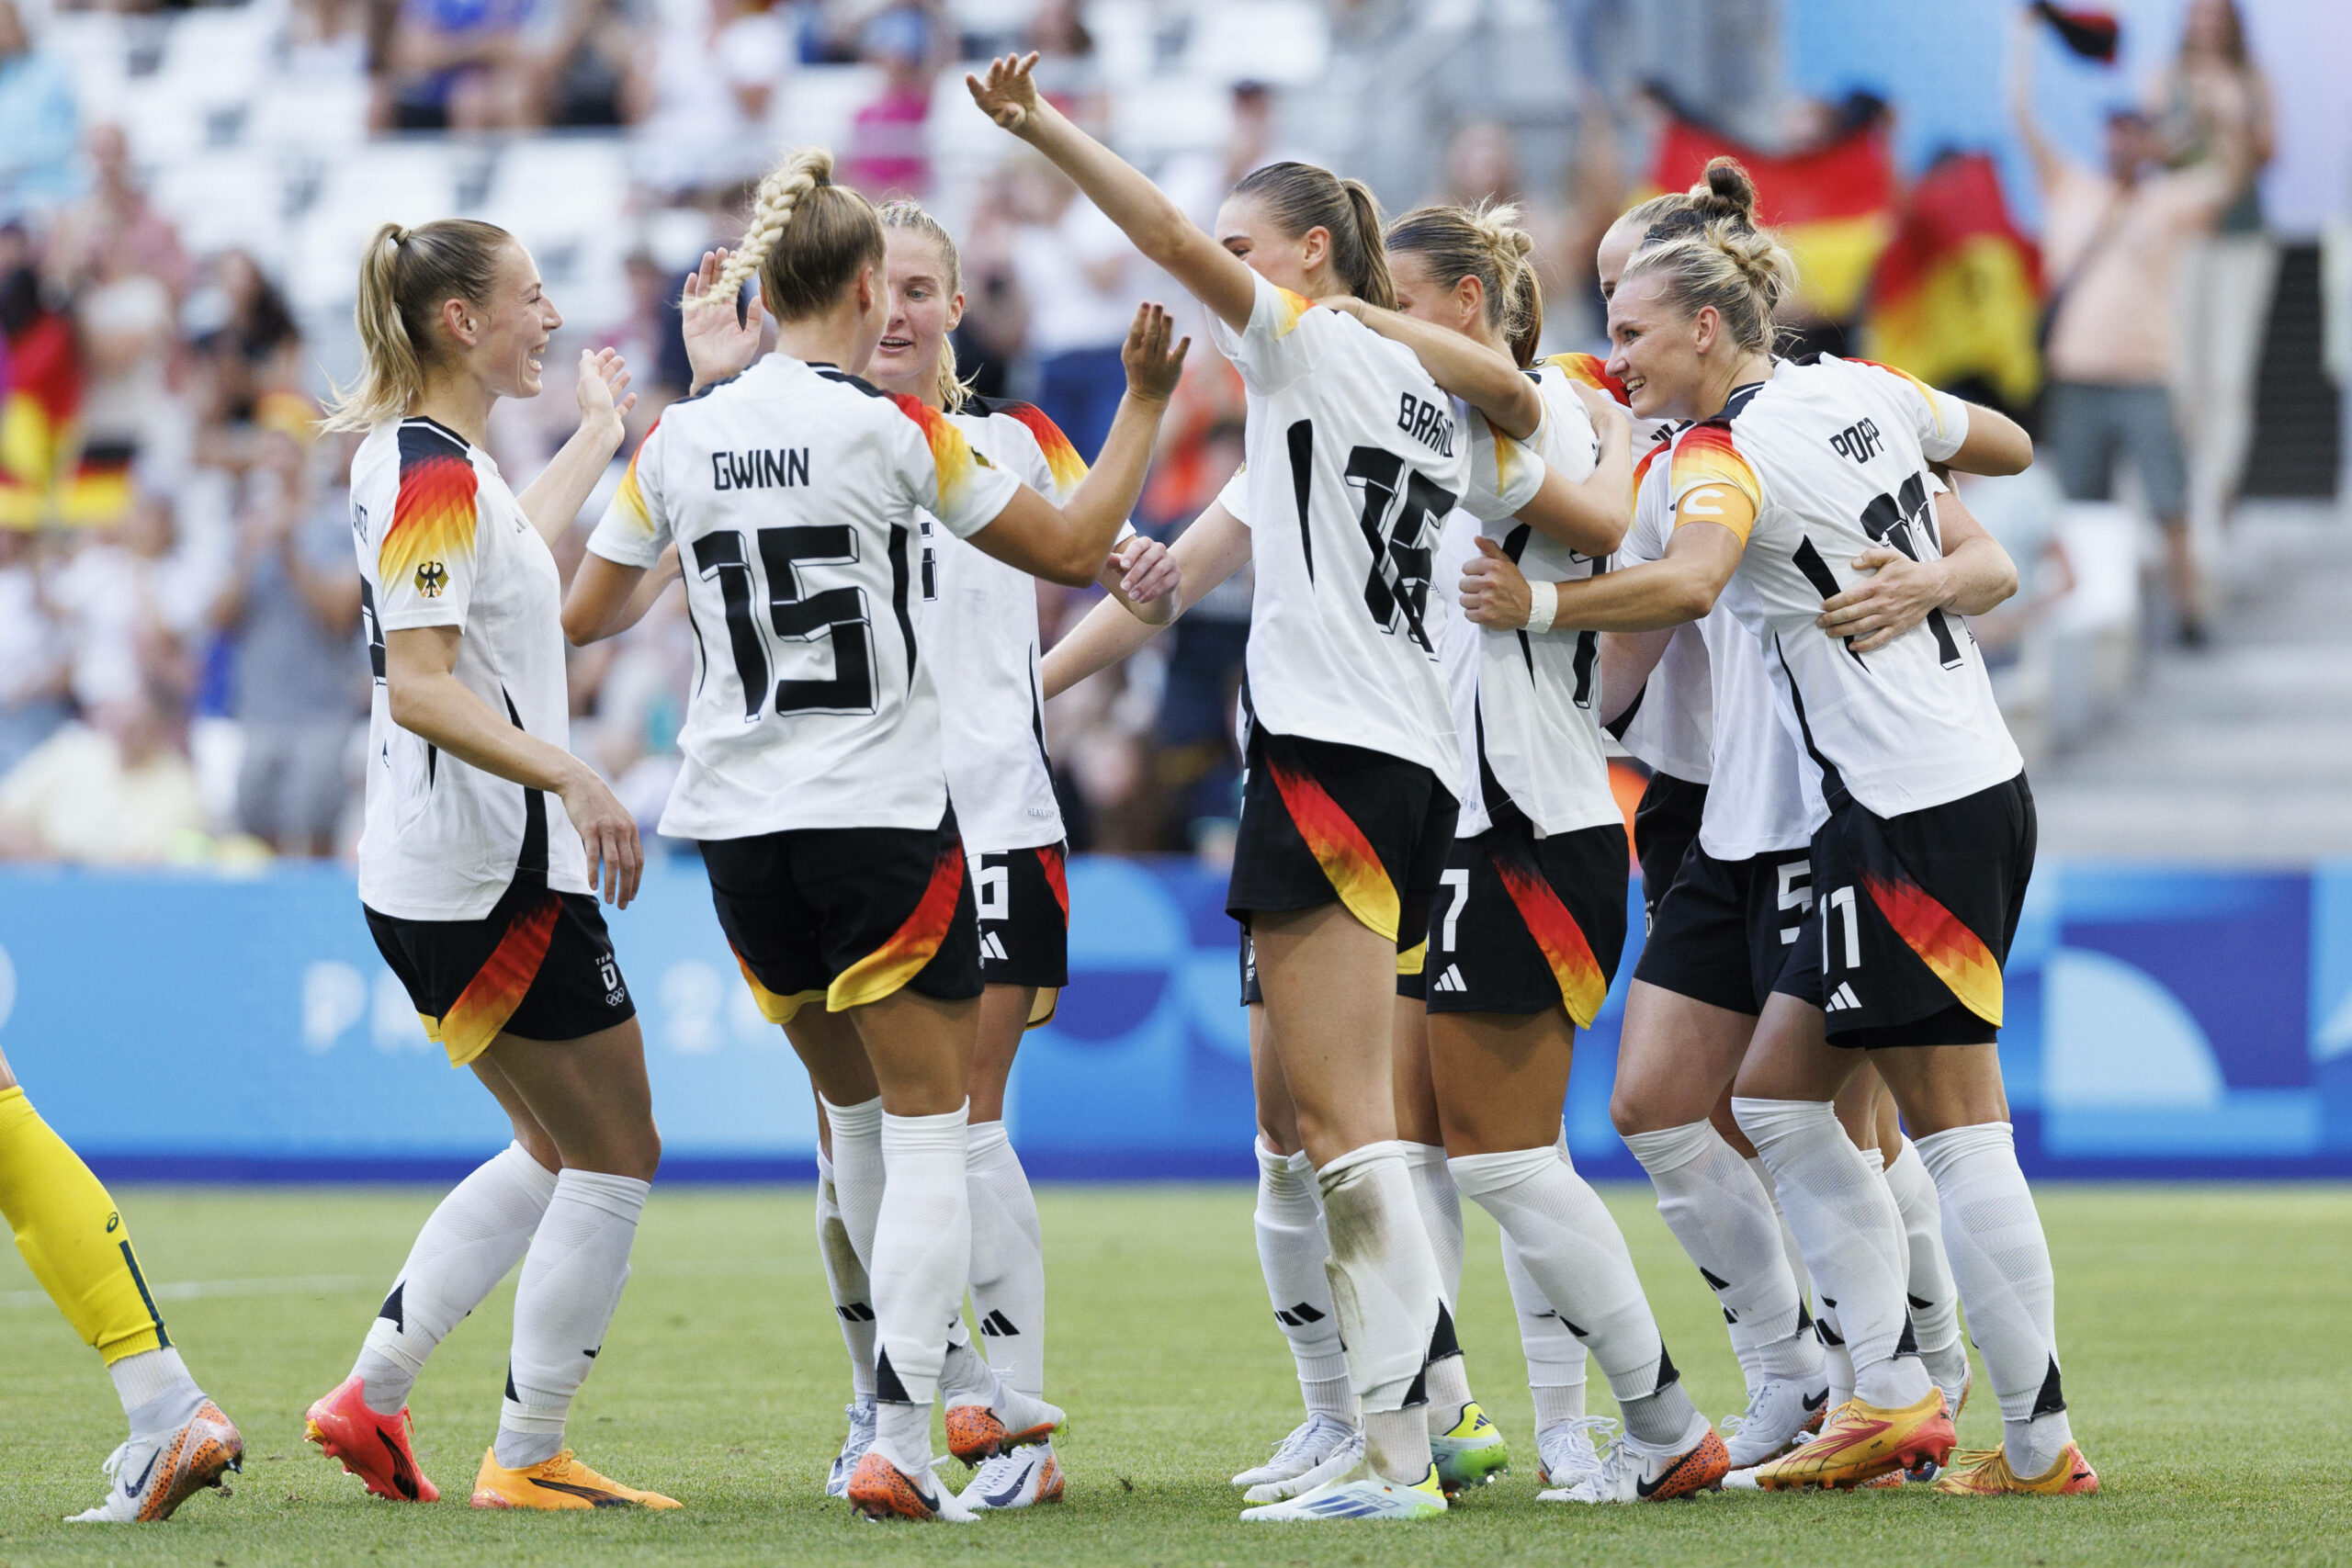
(1831, 457)
(796, 495)
(442, 541)
(1766, 796)
(1353, 460)
(978, 619)
(1526, 706)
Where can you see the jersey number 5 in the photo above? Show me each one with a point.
(796, 613)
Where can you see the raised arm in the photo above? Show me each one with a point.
(1067, 544)
(1158, 226)
(2047, 165)
(552, 502)
(1208, 552)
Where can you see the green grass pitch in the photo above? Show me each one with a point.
(2204, 1329)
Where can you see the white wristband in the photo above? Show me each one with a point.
(1542, 604)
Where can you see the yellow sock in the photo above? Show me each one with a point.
(72, 1237)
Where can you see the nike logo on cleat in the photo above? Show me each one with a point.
(1005, 1499)
(136, 1487)
(1815, 1401)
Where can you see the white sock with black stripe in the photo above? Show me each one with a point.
(1290, 1255)
(845, 1279)
(1008, 1259)
(1384, 1285)
(923, 1261)
(1447, 1377)
(571, 1282)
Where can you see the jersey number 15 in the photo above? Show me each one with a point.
(799, 612)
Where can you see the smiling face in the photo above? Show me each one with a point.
(924, 306)
(1656, 351)
(1244, 227)
(508, 330)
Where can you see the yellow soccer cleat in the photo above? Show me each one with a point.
(1986, 1472)
(1472, 1454)
(1859, 1441)
(556, 1484)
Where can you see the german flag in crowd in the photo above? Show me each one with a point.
(1834, 204)
(41, 398)
(1956, 302)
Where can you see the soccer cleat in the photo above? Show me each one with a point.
(562, 1483)
(880, 1490)
(1565, 1451)
(1986, 1472)
(1776, 1417)
(1472, 1453)
(1310, 1443)
(854, 1447)
(1358, 1495)
(1017, 1478)
(976, 1432)
(1634, 1471)
(373, 1447)
(1859, 1442)
(153, 1474)
(1339, 1462)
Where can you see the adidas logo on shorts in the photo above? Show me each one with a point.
(993, 948)
(1843, 999)
(1452, 979)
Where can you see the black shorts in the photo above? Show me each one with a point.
(1527, 924)
(847, 915)
(1665, 824)
(1323, 822)
(1726, 929)
(539, 965)
(1023, 897)
(1913, 917)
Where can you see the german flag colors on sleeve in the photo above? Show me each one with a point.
(961, 487)
(1711, 482)
(424, 559)
(633, 529)
(1940, 419)
(1589, 369)
(1065, 468)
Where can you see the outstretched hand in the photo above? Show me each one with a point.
(1153, 368)
(1009, 93)
(603, 390)
(719, 343)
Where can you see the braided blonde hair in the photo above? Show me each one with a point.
(955, 391)
(808, 239)
(405, 275)
(1485, 243)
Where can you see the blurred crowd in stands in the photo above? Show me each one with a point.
(180, 666)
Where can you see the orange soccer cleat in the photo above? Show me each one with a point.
(377, 1449)
(562, 1483)
(1859, 1441)
(1986, 1472)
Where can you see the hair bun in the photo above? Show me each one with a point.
(1725, 191)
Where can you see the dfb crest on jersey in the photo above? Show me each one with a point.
(431, 577)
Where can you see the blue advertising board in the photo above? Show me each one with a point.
(2162, 1022)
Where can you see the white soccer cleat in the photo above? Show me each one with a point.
(1634, 1471)
(881, 1491)
(854, 1447)
(1339, 1462)
(1774, 1422)
(152, 1474)
(1310, 1443)
(1567, 1453)
(1017, 1478)
(1358, 1495)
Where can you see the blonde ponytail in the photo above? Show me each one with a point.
(807, 240)
(955, 391)
(405, 275)
(1485, 242)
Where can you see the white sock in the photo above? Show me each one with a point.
(1788, 1238)
(2002, 1263)
(1008, 1259)
(156, 1390)
(476, 1234)
(1291, 1253)
(845, 1279)
(1556, 1358)
(1384, 1286)
(1724, 1218)
(1846, 1220)
(922, 1256)
(1447, 1377)
(1573, 1251)
(571, 1281)
(857, 1173)
(1935, 1299)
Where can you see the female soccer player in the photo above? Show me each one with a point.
(796, 494)
(485, 908)
(1792, 472)
(1354, 462)
(979, 618)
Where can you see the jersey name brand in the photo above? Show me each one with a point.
(763, 468)
(1858, 441)
(1426, 423)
